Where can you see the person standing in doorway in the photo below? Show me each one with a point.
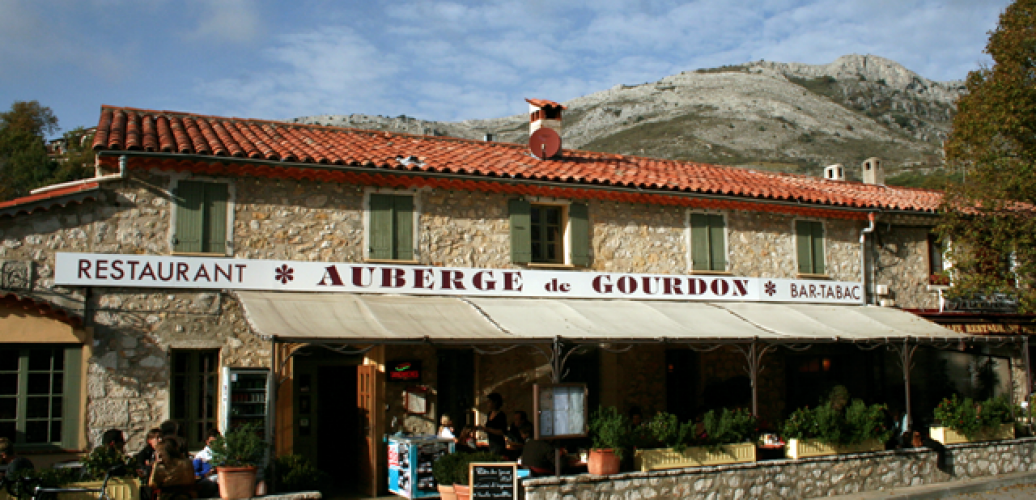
(496, 424)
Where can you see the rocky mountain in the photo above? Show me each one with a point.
(788, 117)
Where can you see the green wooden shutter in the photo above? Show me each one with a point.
(190, 216)
(521, 231)
(404, 218)
(717, 246)
(817, 234)
(804, 247)
(215, 237)
(699, 242)
(379, 234)
(579, 221)
(70, 400)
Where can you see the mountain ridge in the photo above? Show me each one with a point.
(786, 117)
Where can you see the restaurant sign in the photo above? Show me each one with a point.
(146, 271)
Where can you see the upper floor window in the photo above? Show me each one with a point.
(201, 217)
(549, 233)
(708, 242)
(390, 232)
(39, 394)
(809, 242)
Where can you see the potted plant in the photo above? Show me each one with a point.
(964, 421)
(462, 472)
(444, 470)
(292, 473)
(610, 432)
(836, 426)
(236, 456)
(725, 437)
(123, 485)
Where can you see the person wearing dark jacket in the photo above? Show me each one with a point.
(146, 456)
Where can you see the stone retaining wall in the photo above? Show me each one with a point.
(806, 478)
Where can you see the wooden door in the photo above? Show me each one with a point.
(366, 406)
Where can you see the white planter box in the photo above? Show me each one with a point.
(809, 448)
(695, 456)
(946, 435)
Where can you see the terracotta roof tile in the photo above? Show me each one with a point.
(59, 197)
(173, 132)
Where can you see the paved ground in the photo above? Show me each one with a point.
(1007, 486)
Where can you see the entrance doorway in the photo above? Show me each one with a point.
(337, 422)
(456, 386)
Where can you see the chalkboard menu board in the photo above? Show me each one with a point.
(560, 411)
(494, 480)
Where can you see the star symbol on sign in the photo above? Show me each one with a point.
(284, 274)
(771, 288)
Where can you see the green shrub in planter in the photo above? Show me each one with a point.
(729, 427)
(445, 469)
(970, 418)
(296, 473)
(667, 432)
(838, 421)
(609, 429)
(464, 459)
(101, 460)
(242, 446)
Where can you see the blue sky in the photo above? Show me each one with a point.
(438, 60)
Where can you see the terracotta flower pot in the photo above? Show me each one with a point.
(463, 491)
(603, 462)
(236, 482)
(447, 492)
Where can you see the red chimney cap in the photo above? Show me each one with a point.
(543, 103)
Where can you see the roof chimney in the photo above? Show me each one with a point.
(544, 114)
(834, 172)
(873, 171)
(544, 128)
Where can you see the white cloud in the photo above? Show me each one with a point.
(235, 21)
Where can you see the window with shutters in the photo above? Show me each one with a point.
(809, 239)
(390, 228)
(193, 391)
(549, 233)
(708, 242)
(39, 395)
(201, 217)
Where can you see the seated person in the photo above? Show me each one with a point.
(146, 456)
(446, 427)
(466, 439)
(204, 472)
(11, 459)
(537, 454)
(514, 433)
(172, 473)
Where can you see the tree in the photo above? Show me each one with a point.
(989, 219)
(24, 163)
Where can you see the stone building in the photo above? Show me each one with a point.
(335, 258)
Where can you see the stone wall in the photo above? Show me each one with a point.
(901, 262)
(805, 478)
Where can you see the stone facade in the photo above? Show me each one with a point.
(805, 478)
(135, 330)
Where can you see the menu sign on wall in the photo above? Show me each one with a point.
(148, 271)
(560, 411)
(493, 480)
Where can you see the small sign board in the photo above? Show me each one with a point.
(560, 411)
(404, 371)
(493, 480)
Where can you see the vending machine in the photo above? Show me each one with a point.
(246, 399)
(410, 464)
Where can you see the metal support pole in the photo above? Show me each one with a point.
(1028, 382)
(753, 359)
(906, 360)
(272, 411)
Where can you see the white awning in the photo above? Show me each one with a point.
(352, 318)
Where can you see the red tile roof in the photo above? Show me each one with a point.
(292, 143)
(45, 201)
(543, 103)
(12, 299)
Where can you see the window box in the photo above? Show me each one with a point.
(695, 456)
(946, 435)
(119, 488)
(802, 448)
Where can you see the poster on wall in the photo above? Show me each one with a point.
(560, 411)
